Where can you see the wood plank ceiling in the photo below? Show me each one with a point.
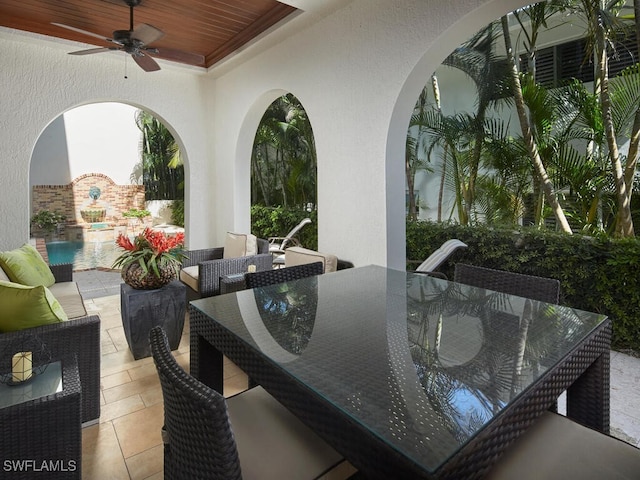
(210, 28)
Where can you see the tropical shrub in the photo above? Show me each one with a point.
(177, 213)
(597, 274)
(278, 221)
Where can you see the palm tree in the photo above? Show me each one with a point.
(603, 23)
(634, 144)
(477, 58)
(415, 151)
(162, 169)
(527, 134)
(284, 162)
(533, 20)
(450, 135)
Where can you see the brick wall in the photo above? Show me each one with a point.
(72, 198)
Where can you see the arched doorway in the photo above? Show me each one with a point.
(89, 169)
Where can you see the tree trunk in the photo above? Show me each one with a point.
(634, 143)
(410, 174)
(624, 222)
(436, 95)
(532, 148)
(443, 176)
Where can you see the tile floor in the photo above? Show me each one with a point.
(126, 442)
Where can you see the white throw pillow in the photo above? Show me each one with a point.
(239, 245)
(299, 256)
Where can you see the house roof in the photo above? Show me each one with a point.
(212, 29)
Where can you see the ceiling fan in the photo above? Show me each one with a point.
(135, 42)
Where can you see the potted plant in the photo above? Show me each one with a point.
(151, 260)
(136, 213)
(135, 217)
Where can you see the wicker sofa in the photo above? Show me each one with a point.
(79, 336)
(202, 269)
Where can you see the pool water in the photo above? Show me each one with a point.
(84, 256)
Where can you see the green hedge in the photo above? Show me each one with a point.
(596, 274)
(278, 221)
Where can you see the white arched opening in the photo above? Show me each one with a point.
(399, 122)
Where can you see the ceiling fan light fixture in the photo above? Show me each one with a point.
(135, 41)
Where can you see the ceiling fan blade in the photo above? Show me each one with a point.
(147, 34)
(93, 50)
(84, 32)
(176, 55)
(145, 62)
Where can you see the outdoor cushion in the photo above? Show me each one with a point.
(26, 307)
(68, 295)
(189, 276)
(557, 448)
(299, 256)
(25, 265)
(239, 245)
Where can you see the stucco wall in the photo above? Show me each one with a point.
(40, 82)
(357, 71)
(95, 138)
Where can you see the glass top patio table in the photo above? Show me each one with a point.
(424, 366)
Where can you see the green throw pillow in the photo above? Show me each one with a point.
(23, 307)
(25, 265)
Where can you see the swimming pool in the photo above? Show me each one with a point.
(83, 255)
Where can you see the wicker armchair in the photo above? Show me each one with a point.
(247, 436)
(79, 337)
(529, 286)
(211, 267)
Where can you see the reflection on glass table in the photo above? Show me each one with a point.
(385, 362)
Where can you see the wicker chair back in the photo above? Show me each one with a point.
(197, 435)
(280, 275)
(528, 286)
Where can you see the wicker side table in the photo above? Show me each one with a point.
(40, 434)
(232, 283)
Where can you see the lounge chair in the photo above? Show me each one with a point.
(438, 257)
(277, 245)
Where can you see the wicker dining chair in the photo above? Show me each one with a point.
(249, 435)
(281, 275)
(529, 286)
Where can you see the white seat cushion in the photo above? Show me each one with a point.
(189, 276)
(557, 448)
(68, 294)
(300, 256)
(272, 443)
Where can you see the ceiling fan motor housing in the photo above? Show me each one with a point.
(121, 36)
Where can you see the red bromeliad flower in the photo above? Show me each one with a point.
(151, 249)
(124, 242)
